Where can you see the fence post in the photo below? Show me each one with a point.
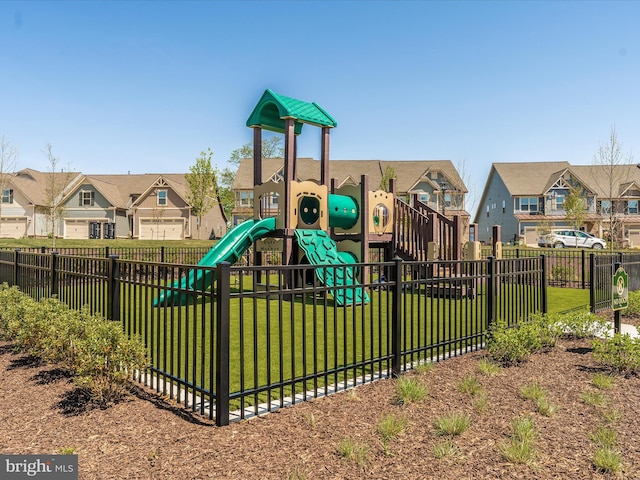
(491, 291)
(162, 254)
(592, 282)
(544, 307)
(396, 316)
(106, 252)
(223, 312)
(15, 278)
(113, 286)
(583, 269)
(54, 274)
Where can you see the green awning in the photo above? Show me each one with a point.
(272, 109)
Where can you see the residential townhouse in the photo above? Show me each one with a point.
(528, 199)
(435, 182)
(144, 206)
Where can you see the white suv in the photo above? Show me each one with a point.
(571, 238)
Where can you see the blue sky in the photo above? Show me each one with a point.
(139, 87)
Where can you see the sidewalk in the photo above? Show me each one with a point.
(626, 329)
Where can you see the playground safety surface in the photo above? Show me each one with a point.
(150, 437)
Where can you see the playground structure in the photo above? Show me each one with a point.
(319, 223)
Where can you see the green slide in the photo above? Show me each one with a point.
(320, 249)
(228, 249)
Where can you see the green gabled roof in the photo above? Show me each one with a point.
(272, 109)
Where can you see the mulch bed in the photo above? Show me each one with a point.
(146, 436)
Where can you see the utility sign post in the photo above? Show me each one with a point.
(620, 297)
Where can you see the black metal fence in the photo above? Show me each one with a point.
(242, 347)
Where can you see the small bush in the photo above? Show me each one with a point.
(512, 345)
(633, 306)
(620, 353)
(106, 359)
(95, 349)
(584, 324)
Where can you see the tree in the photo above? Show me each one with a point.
(613, 172)
(57, 181)
(575, 206)
(202, 186)
(8, 158)
(271, 148)
(388, 174)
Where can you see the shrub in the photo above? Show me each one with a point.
(584, 324)
(95, 349)
(621, 353)
(511, 345)
(633, 306)
(106, 359)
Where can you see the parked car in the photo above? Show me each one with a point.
(571, 238)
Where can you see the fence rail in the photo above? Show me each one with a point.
(241, 347)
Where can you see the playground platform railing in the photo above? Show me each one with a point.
(263, 337)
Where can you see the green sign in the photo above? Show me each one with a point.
(620, 289)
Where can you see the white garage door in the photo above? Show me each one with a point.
(164, 229)
(13, 227)
(76, 229)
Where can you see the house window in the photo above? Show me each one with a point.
(246, 199)
(7, 196)
(504, 206)
(605, 207)
(632, 207)
(86, 198)
(559, 202)
(424, 197)
(527, 204)
(162, 197)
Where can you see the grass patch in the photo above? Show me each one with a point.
(602, 381)
(445, 448)
(481, 404)
(595, 399)
(489, 368)
(470, 386)
(521, 445)
(354, 451)
(389, 428)
(409, 390)
(452, 424)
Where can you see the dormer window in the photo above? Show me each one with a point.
(162, 198)
(86, 198)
